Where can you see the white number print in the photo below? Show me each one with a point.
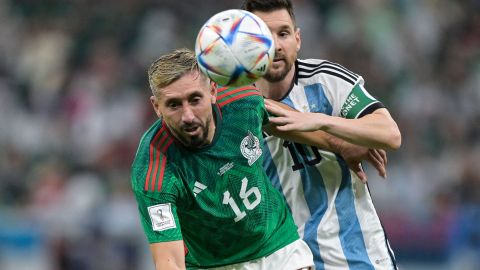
(246, 195)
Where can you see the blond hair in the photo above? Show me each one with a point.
(171, 67)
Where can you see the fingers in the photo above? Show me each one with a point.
(383, 153)
(358, 170)
(281, 124)
(274, 109)
(278, 121)
(268, 102)
(378, 165)
(375, 155)
(279, 118)
(278, 104)
(378, 162)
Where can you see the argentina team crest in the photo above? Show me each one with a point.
(250, 148)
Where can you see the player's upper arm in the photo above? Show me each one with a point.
(158, 201)
(168, 255)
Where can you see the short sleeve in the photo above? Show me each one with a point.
(158, 209)
(358, 103)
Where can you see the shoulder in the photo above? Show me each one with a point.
(150, 163)
(326, 73)
(229, 95)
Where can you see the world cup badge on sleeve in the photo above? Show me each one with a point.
(161, 217)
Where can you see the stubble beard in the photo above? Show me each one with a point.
(277, 76)
(197, 141)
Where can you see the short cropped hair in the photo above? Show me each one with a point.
(268, 6)
(170, 67)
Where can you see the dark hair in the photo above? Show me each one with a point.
(269, 5)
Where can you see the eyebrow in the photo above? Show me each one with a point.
(193, 94)
(285, 27)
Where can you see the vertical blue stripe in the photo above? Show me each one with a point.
(270, 167)
(317, 100)
(350, 234)
(316, 197)
(313, 187)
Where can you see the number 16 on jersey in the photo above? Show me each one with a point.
(250, 198)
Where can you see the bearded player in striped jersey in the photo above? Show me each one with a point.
(330, 204)
(203, 196)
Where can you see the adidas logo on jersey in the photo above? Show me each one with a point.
(199, 187)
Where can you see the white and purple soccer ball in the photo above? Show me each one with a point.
(234, 48)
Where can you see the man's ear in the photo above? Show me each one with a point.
(298, 37)
(155, 105)
(213, 91)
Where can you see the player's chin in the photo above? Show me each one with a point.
(278, 64)
(275, 75)
(197, 141)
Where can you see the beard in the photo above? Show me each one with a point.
(278, 75)
(195, 141)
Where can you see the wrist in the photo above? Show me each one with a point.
(336, 145)
(325, 122)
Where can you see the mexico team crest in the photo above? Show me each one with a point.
(250, 148)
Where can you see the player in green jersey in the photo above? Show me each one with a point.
(203, 196)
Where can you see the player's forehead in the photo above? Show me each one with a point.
(192, 83)
(276, 19)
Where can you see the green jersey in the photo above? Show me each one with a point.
(217, 199)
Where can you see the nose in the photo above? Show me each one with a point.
(277, 43)
(187, 115)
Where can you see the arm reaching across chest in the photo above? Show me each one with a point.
(352, 153)
(375, 130)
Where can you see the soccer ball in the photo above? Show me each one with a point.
(234, 48)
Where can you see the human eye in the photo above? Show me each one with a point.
(172, 105)
(284, 33)
(195, 100)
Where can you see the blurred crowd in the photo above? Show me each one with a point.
(74, 104)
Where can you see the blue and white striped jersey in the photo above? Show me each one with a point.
(330, 205)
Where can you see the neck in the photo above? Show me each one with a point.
(212, 125)
(211, 133)
(276, 90)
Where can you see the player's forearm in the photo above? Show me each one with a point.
(376, 130)
(167, 265)
(168, 255)
(319, 138)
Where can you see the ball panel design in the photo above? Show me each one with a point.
(234, 48)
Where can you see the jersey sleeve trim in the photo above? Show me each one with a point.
(307, 70)
(158, 147)
(229, 95)
(370, 108)
(225, 92)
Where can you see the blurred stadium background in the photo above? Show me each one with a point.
(74, 103)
